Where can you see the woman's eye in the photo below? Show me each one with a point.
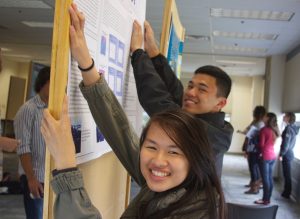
(173, 152)
(151, 147)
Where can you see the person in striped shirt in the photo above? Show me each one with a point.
(32, 147)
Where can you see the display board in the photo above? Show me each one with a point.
(108, 29)
(172, 38)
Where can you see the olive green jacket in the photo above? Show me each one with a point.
(72, 201)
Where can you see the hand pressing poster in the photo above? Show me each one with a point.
(108, 30)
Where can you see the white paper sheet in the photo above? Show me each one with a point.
(108, 29)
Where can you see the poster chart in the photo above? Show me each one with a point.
(172, 38)
(175, 50)
(108, 28)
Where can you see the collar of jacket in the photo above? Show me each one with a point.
(213, 118)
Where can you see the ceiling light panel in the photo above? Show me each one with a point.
(23, 4)
(236, 62)
(197, 37)
(241, 35)
(38, 24)
(240, 49)
(255, 14)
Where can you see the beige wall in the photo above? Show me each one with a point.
(241, 109)
(18, 69)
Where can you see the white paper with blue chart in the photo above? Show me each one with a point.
(108, 29)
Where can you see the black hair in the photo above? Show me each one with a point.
(42, 78)
(291, 116)
(259, 112)
(272, 123)
(222, 79)
(190, 135)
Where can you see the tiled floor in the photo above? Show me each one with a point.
(235, 176)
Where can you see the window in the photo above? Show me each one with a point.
(297, 146)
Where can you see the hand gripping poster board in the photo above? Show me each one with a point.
(172, 37)
(108, 29)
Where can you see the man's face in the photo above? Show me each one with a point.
(44, 92)
(200, 95)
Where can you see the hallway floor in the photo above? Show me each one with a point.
(235, 176)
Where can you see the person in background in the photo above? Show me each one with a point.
(267, 138)
(32, 147)
(159, 89)
(286, 154)
(251, 150)
(7, 144)
(172, 161)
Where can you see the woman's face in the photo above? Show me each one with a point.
(163, 164)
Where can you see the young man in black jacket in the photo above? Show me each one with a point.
(159, 89)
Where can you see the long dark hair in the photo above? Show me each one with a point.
(189, 134)
(272, 123)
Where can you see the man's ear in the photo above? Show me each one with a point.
(222, 102)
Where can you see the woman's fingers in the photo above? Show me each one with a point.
(74, 16)
(64, 116)
(82, 20)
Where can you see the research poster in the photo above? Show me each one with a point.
(172, 38)
(108, 30)
(175, 49)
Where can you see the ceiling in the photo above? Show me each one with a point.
(244, 57)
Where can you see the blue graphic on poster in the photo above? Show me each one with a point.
(99, 135)
(111, 77)
(174, 51)
(103, 45)
(121, 53)
(113, 46)
(76, 133)
(115, 81)
(119, 84)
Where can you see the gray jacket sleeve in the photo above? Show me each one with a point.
(72, 201)
(114, 125)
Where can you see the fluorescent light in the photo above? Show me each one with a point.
(255, 14)
(5, 49)
(38, 24)
(240, 49)
(18, 56)
(197, 37)
(23, 4)
(243, 35)
(236, 62)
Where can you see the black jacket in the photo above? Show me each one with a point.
(159, 89)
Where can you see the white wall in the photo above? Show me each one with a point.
(10, 68)
(275, 84)
(291, 98)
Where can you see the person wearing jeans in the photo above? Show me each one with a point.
(267, 138)
(286, 154)
(267, 177)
